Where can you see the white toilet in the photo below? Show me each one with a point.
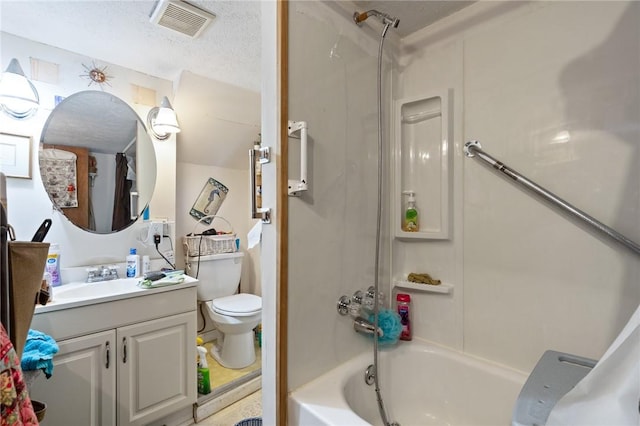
(234, 315)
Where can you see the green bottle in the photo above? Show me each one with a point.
(204, 384)
(410, 221)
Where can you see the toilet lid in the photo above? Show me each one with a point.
(239, 305)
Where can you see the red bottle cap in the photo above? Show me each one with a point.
(401, 297)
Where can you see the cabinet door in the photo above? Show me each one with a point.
(81, 390)
(156, 368)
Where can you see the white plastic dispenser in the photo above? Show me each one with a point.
(146, 264)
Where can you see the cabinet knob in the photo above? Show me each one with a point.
(124, 350)
(107, 347)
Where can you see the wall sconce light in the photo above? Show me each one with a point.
(162, 121)
(18, 96)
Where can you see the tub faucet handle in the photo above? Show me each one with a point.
(343, 305)
(350, 306)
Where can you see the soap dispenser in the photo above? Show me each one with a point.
(410, 222)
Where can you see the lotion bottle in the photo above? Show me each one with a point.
(53, 264)
(410, 220)
(133, 264)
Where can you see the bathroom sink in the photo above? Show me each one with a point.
(78, 291)
(76, 294)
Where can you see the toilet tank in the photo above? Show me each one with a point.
(218, 274)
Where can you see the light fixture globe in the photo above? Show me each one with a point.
(18, 96)
(162, 121)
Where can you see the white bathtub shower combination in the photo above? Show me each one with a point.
(422, 384)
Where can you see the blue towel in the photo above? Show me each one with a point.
(38, 352)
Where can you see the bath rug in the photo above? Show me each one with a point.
(252, 421)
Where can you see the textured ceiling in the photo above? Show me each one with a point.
(120, 32)
(228, 50)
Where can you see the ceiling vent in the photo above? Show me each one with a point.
(181, 16)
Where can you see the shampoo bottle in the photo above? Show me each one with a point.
(204, 385)
(410, 222)
(133, 264)
(403, 302)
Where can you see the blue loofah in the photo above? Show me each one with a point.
(389, 322)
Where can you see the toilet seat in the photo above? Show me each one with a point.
(237, 305)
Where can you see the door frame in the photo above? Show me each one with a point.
(282, 273)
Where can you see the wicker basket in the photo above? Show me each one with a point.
(204, 245)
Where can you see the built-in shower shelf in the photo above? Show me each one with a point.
(428, 288)
(422, 154)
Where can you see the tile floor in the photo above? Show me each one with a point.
(223, 379)
(219, 375)
(251, 406)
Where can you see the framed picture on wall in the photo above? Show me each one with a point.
(15, 155)
(209, 201)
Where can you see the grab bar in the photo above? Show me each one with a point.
(473, 148)
(296, 187)
(263, 157)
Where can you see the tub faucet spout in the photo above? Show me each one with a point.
(364, 326)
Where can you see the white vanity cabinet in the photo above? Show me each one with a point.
(156, 368)
(141, 369)
(82, 390)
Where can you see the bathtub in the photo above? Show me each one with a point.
(421, 383)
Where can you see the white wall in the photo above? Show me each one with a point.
(528, 278)
(332, 86)
(29, 204)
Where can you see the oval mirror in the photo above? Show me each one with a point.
(97, 161)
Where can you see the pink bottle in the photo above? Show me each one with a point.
(404, 303)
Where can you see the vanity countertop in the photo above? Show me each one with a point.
(75, 295)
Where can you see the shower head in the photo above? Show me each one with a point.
(359, 18)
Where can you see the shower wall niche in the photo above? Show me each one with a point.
(422, 164)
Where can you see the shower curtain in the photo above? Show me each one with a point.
(121, 202)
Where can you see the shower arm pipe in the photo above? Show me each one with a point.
(473, 149)
(359, 18)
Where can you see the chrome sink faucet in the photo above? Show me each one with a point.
(102, 273)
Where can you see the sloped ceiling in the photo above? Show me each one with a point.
(219, 122)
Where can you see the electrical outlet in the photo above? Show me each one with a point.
(155, 228)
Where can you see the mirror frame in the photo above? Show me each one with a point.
(145, 158)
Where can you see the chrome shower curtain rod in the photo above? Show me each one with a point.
(474, 149)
